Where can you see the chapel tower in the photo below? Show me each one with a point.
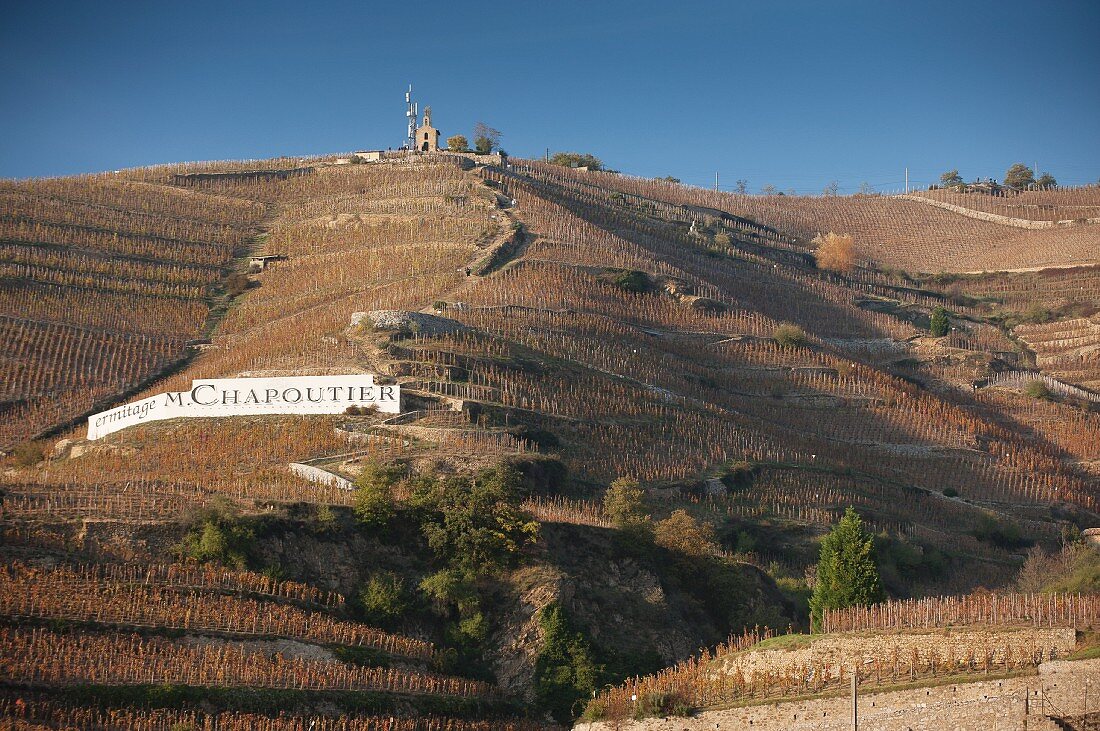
(427, 136)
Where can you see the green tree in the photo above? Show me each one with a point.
(454, 594)
(1019, 176)
(846, 571)
(458, 143)
(940, 324)
(1046, 180)
(565, 669)
(951, 179)
(445, 588)
(485, 138)
(478, 525)
(374, 503)
(683, 533)
(576, 160)
(424, 492)
(624, 503)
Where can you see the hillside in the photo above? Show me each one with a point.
(905, 232)
(571, 329)
(103, 282)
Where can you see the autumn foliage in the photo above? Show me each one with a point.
(836, 252)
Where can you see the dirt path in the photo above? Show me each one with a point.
(509, 220)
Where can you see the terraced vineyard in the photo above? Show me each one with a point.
(579, 327)
(1059, 204)
(984, 636)
(1068, 349)
(103, 281)
(889, 231)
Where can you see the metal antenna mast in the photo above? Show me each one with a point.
(410, 113)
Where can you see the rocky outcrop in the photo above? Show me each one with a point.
(407, 323)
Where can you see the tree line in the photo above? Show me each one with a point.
(1018, 177)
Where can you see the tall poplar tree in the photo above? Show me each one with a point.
(846, 572)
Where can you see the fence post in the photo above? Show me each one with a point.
(855, 702)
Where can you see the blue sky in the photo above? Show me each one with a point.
(792, 94)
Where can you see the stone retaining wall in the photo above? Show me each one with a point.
(1013, 704)
(846, 650)
(994, 217)
(320, 476)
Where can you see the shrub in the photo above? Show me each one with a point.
(383, 599)
(476, 525)
(218, 535)
(902, 564)
(836, 253)
(682, 533)
(790, 336)
(325, 519)
(740, 475)
(632, 281)
(458, 143)
(1000, 533)
(565, 669)
(27, 454)
(1079, 572)
(472, 628)
(1037, 314)
(1037, 390)
(445, 588)
(237, 284)
(668, 703)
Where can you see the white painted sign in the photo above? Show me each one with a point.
(251, 396)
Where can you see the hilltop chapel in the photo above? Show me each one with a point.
(427, 136)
